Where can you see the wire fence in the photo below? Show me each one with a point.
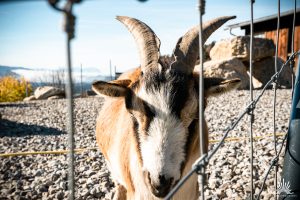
(201, 9)
(252, 107)
(202, 162)
(204, 159)
(274, 89)
(69, 29)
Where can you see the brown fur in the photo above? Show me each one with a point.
(117, 140)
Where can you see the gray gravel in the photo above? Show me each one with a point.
(40, 126)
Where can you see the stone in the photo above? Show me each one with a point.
(239, 47)
(90, 93)
(221, 194)
(220, 112)
(85, 193)
(255, 82)
(52, 189)
(104, 174)
(81, 181)
(4, 191)
(56, 97)
(26, 187)
(207, 49)
(229, 193)
(39, 172)
(227, 69)
(213, 183)
(89, 181)
(90, 173)
(267, 196)
(63, 185)
(45, 92)
(264, 69)
(96, 192)
(60, 195)
(30, 98)
(42, 188)
(54, 177)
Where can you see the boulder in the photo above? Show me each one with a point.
(255, 82)
(264, 69)
(30, 98)
(90, 93)
(227, 69)
(56, 97)
(207, 49)
(239, 47)
(47, 91)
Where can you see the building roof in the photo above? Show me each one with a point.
(244, 25)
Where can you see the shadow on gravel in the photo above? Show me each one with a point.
(14, 129)
(20, 105)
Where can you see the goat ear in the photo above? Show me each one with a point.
(217, 86)
(117, 88)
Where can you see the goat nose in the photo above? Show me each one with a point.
(164, 181)
(162, 189)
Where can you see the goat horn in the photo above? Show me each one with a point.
(148, 43)
(186, 51)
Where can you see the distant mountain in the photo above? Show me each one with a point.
(8, 71)
(44, 75)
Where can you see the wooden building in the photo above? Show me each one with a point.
(266, 27)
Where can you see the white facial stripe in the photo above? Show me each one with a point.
(163, 148)
(158, 101)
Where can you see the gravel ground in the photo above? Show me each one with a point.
(40, 126)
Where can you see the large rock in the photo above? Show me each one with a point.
(255, 82)
(30, 98)
(47, 91)
(56, 97)
(90, 93)
(264, 69)
(239, 47)
(227, 69)
(207, 49)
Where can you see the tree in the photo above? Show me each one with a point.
(55, 78)
(12, 89)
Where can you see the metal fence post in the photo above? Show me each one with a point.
(289, 188)
(69, 29)
(201, 8)
(275, 90)
(251, 112)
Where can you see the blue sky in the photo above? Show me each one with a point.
(31, 31)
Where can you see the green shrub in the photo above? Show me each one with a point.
(12, 89)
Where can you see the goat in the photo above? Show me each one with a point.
(147, 128)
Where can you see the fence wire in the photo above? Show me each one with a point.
(251, 99)
(274, 161)
(203, 161)
(69, 23)
(201, 8)
(292, 46)
(275, 93)
(82, 150)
